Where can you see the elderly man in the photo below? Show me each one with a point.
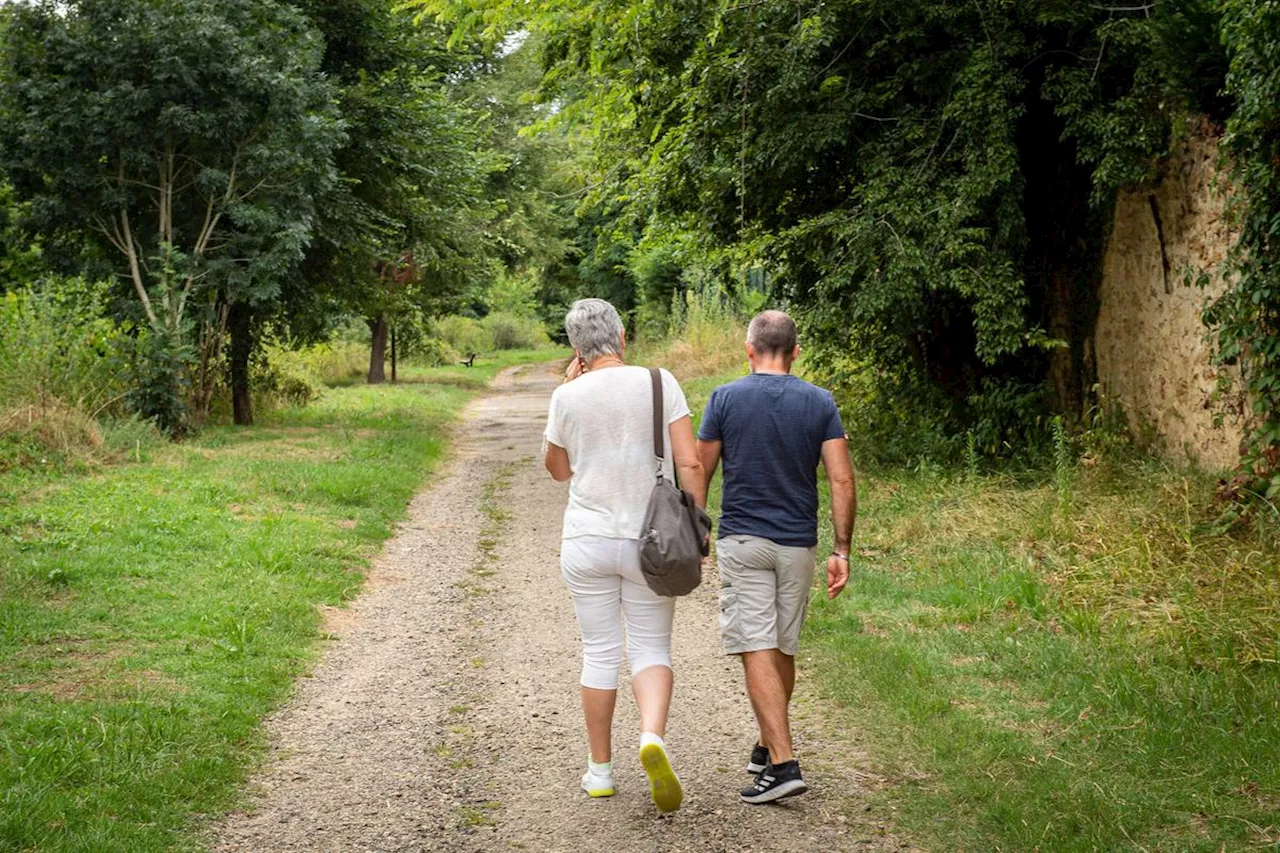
(772, 429)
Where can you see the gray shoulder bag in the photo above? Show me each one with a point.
(675, 527)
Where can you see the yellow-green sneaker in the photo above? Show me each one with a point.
(597, 784)
(664, 787)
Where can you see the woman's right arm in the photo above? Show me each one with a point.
(684, 453)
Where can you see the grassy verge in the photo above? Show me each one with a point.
(1060, 661)
(152, 613)
(1044, 666)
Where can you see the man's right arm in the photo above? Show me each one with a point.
(844, 510)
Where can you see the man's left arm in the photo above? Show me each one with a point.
(844, 510)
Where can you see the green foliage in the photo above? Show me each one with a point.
(402, 229)
(20, 260)
(513, 332)
(925, 185)
(199, 179)
(464, 334)
(159, 381)
(334, 362)
(433, 352)
(500, 330)
(1247, 318)
(56, 348)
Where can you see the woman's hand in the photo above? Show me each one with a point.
(574, 370)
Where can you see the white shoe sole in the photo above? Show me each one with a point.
(664, 787)
(789, 788)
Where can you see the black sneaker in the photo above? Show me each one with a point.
(759, 759)
(774, 783)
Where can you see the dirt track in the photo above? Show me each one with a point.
(445, 716)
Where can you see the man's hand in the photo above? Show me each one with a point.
(837, 575)
(574, 370)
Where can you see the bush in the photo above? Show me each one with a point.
(433, 352)
(56, 345)
(464, 334)
(286, 377)
(333, 363)
(63, 368)
(510, 331)
(32, 435)
(706, 337)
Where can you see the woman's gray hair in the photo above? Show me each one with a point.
(593, 327)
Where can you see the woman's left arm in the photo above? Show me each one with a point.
(684, 453)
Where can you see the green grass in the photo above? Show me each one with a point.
(476, 377)
(1033, 676)
(152, 613)
(1070, 660)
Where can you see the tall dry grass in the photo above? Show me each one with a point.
(705, 339)
(64, 369)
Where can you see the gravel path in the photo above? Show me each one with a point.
(445, 717)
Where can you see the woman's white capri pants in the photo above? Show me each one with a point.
(603, 576)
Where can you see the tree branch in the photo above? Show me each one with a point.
(1144, 8)
(134, 271)
(126, 241)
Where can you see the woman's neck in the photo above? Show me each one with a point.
(610, 360)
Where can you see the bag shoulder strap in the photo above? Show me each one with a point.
(658, 443)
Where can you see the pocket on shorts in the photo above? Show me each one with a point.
(730, 620)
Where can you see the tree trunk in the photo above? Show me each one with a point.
(393, 354)
(240, 321)
(378, 352)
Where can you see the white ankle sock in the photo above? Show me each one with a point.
(647, 738)
(602, 769)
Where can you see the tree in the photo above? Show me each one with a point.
(188, 136)
(925, 184)
(401, 230)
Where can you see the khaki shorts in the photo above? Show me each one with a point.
(764, 593)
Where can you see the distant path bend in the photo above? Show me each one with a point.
(445, 717)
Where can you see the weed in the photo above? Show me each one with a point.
(972, 458)
(1063, 465)
(478, 815)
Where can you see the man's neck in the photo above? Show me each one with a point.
(771, 368)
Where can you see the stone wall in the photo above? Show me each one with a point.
(1151, 348)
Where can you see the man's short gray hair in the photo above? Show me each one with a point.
(593, 327)
(772, 333)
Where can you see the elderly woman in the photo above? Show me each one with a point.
(600, 438)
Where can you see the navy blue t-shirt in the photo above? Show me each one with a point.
(771, 428)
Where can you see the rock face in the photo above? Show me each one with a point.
(1151, 347)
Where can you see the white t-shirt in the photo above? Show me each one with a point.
(604, 421)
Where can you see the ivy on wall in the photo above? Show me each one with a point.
(1246, 320)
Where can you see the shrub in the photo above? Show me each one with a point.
(63, 368)
(287, 377)
(333, 363)
(464, 334)
(511, 331)
(706, 336)
(433, 352)
(56, 345)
